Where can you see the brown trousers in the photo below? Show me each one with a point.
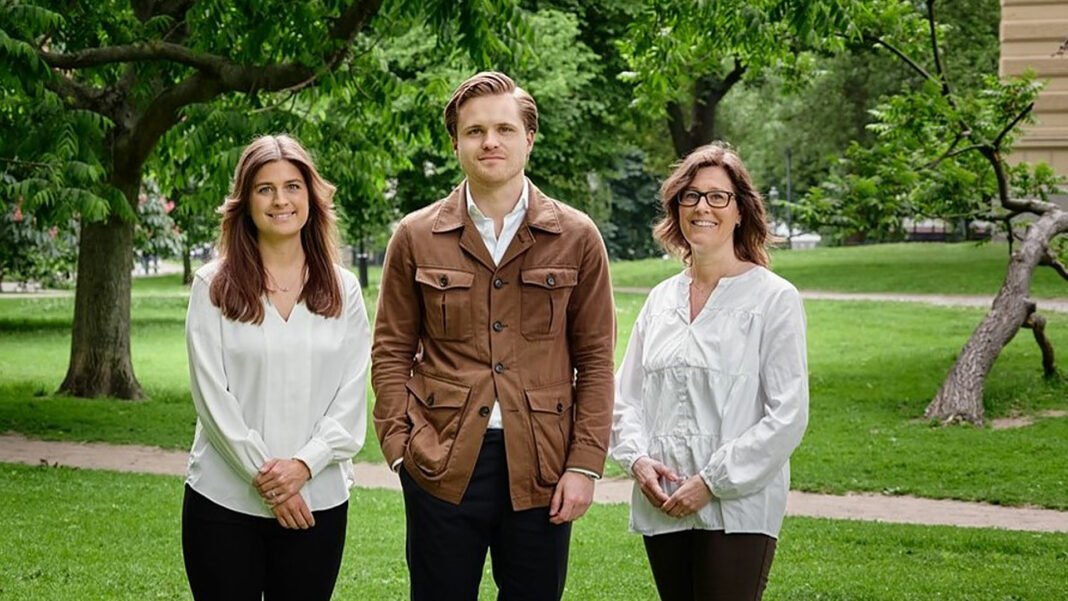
(710, 565)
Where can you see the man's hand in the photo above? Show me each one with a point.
(293, 513)
(280, 479)
(688, 499)
(648, 472)
(571, 499)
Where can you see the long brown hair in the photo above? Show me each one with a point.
(241, 280)
(750, 237)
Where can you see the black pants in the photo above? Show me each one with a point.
(447, 544)
(710, 565)
(233, 556)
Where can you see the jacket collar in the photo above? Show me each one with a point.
(541, 213)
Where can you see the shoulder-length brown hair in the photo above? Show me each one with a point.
(241, 279)
(750, 237)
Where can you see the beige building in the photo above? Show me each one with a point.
(1032, 32)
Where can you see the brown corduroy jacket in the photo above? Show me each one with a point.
(454, 332)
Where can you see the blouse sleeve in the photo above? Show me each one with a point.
(746, 464)
(340, 432)
(217, 409)
(628, 421)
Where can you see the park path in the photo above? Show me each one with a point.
(1059, 305)
(15, 448)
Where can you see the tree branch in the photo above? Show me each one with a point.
(1051, 260)
(949, 151)
(911, 63)
(1037, 324)
(131, 53)
(934, 49)
(1019, 117)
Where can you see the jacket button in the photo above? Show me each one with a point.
(444, 281)
(430, 401)
(498, 283)
(498, 326)
(550, 280)
(483, 411)
(499, 368)
(559, 407)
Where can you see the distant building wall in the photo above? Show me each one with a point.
(1031, 33)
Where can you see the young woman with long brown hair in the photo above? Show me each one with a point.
(279, 346)
(712, 395)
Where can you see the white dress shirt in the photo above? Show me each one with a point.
(725, 397)
(278, 389)
(497, 245)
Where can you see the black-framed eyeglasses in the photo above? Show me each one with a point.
(717, 199)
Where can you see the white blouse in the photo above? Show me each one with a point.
(279, 389)
(725, 397)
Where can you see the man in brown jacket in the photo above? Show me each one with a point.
(492, 362)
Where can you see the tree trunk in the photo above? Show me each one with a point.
(187, 265)
(961, 396)
(100, 362)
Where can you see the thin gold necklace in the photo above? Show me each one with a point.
(280, 288)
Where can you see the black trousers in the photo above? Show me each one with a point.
(231, 556)
(447, 544)
(710, 565)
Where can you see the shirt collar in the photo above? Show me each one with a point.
(520, 207)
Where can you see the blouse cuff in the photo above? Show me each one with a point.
(315, 454)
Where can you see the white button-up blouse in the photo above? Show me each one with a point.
(725, 397)
(278, 389)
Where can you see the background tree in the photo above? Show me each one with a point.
(940, 151)
(121, 75)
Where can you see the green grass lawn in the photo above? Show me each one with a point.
(77, 534)
(874, 367)
(935, 268)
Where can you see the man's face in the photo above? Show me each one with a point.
(491, 141)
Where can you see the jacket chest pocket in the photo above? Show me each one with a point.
(545, 294)
(447, 302)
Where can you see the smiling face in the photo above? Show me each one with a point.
(278, 201)
(706, 229)
(491, 142)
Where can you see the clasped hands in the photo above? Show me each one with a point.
(690, 497)
(279, 482)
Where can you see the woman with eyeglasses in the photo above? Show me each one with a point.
(712, 395)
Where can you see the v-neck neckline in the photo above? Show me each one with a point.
(725, 281)
(278, 314)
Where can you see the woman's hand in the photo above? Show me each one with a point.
(648, 472)
(293, 513)
(280, 479)
(688, 499)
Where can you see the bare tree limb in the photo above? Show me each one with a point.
(1051, 260)
(1037, 324)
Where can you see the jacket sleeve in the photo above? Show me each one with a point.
(591, 340)
(629, 441)
(217, 410)
(746, 464)
(340, 432)
(395, 343)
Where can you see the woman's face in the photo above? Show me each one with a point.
(705, 228)
(278, 201)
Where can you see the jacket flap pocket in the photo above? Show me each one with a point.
(444, 279)
(550, 277)
(435, 393)
(550, 399)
